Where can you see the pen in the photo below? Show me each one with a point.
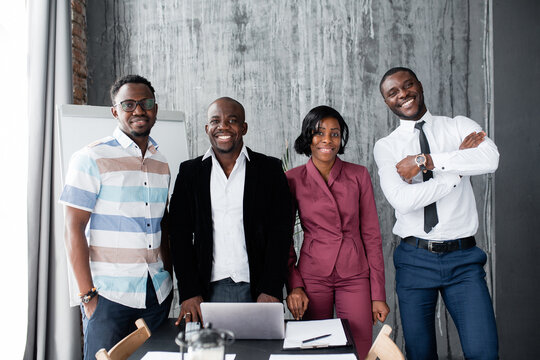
(316, 338)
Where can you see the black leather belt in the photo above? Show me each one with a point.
(436, 246)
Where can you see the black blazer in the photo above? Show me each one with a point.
(268, 226)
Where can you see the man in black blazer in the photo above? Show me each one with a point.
(231, 219)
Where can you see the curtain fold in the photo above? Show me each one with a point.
(53, 327)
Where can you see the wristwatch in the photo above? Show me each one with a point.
(421, 160)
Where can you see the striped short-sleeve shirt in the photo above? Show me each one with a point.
(127, 196)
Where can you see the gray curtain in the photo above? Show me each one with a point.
(53, 327)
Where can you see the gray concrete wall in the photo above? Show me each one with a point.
(517, 74)
(281, 58)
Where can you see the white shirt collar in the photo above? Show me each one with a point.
(125, 141)
(210, 152)
(408, 125)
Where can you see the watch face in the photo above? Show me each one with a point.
(420, 159)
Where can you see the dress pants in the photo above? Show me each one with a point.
(226, 290)
(459, 277)
(111, 322)
(352, 297)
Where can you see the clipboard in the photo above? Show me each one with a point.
(297, 331)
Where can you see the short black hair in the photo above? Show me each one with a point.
(129, 79)
(310, 125)
(394, 70)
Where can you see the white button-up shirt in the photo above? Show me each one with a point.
(227, 200)
(454, 196)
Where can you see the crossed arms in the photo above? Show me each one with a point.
(475, 155)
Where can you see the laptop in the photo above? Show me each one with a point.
(246, 320)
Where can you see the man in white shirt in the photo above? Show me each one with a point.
(231, 219)
(425, 166)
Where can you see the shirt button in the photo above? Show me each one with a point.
(454, 185)
(149, 246)
(145, 183)
(146, 204)
(443, 167)
(147, 224)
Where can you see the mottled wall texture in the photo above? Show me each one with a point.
(281, 58)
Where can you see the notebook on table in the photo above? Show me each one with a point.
(315, 334)
(246, 320)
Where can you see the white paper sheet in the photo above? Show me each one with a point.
(163, 355)
(298, 331)
(313, 357)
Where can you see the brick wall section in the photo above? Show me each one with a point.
(78, 48)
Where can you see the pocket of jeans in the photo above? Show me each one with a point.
(99, 300)
(397, 256)
(483, 256)
(476, 255)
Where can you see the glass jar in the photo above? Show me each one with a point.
(205, 344)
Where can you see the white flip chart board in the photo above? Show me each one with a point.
(80, 125)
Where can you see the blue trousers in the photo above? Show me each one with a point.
(226, 290)
(111, 322)
(459, 277)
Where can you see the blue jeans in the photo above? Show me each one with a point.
(111, 322)
(460, 278)
(226, 290)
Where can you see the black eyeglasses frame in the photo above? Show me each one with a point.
(137, 103)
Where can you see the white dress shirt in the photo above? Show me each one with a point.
(456, 205)
(227, 200)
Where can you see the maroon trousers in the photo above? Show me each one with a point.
(352, 299)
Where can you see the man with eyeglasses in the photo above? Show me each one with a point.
(117, 189)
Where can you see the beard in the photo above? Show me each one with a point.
(416, 116)
(140, 134)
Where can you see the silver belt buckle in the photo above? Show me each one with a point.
(430, 246)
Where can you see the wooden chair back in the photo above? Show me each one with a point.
(384, 348)
(127, 346)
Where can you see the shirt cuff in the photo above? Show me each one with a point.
(450, 180)
(440, 162)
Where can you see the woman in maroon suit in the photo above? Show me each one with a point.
(341, 259)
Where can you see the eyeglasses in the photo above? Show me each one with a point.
(131, 105)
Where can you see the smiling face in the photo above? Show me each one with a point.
(226, 127)
(326, 141)
(404, 95)
(136, 124)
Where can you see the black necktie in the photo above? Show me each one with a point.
(430, 212)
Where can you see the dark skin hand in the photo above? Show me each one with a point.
(267, 298)
(408, 169)
(472, 140)
(297, 302)
(380, 311)
(190, 309)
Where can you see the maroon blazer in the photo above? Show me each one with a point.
(340, 223)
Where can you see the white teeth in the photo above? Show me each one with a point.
(224, 137)
(407, 103)
(326, 150)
